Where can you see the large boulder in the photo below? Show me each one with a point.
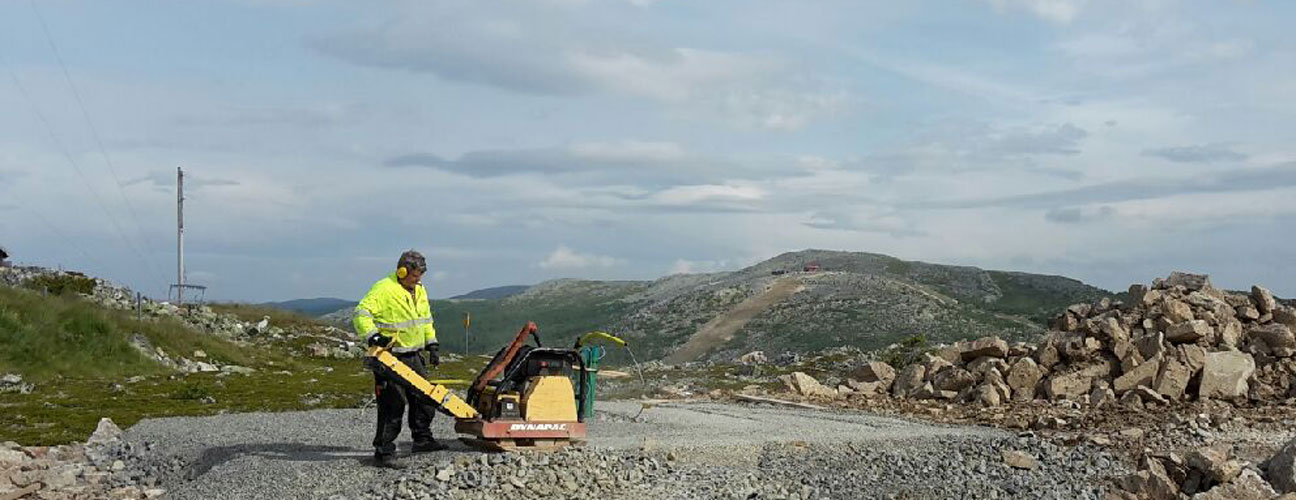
(986, 395)
(1150, 483)
(1247, 486)
(106, 432)
(994, 347)
(875, 371)
(1264, 299)
(1188, 280)
(1151, 345)
(1047, 356)
(1285, 316)
(1282, 468)
(953, 379)
(1172, 381)
(1023, 378)
(1114, 331)
(1276, 337)
(1225, 374)
(1069, 386)
(1177, 311)
(1230, 333)
(934, 365)
(981, 365)
(1194, 356)
(1188, 331)
(951, 353)
(1143, 374)
(806, 385)
(909, 380)
(995, 380)
(1214, 462)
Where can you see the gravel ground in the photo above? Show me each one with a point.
(678, 449)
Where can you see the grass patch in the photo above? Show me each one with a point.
(67, 411)
(43, 338)
(249, 313)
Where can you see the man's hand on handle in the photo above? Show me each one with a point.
(434, 353)
(377, 340)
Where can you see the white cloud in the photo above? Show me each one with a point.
(671, 75)
(708, 193)
(528, 48)
(1058, 11)
(684, 266)
(566, 258)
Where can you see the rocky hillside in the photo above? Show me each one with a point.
(70, 343)
(843, 298)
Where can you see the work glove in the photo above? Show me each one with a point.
(434, 353)
(377, 340)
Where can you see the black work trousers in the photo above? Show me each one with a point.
(393, 396)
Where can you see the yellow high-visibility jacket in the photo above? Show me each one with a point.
(393, 311)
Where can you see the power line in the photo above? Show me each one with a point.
(94, 131)
(70, 242)
(58, 144)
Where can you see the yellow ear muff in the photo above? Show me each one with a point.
(401, 272)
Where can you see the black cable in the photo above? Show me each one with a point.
(94, 132)
(58, 144)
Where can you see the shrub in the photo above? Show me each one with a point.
(62, 284)
(906, 351)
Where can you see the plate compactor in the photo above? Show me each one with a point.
(524, 399)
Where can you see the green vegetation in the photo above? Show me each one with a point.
(56, 336)
(1039, 298)
(80, 358)
(63, 284)
(67, 409)
(906, 352)
(251, 313)
(562, 316)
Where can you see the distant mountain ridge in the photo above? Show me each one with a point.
(312, 307)
(499, 292)
(827, 298)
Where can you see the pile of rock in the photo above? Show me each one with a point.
(105, 466)
(1179, 339)
(1211, 473)
(13, 383)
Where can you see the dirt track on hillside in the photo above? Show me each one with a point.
(722, 328)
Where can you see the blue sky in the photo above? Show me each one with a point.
(513, 142)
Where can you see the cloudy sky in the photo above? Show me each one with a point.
(516, 141)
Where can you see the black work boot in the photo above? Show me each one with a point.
(386, 461)
(427, 446)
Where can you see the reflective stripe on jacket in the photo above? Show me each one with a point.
(393, 311)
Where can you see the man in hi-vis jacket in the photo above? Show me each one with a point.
(396, 314)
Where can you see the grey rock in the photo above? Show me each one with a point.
(1264, 299)
(1282, 468)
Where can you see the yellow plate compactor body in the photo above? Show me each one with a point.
(523, 399)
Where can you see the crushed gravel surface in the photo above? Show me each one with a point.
(680, 450)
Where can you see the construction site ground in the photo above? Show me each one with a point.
(767, 448)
